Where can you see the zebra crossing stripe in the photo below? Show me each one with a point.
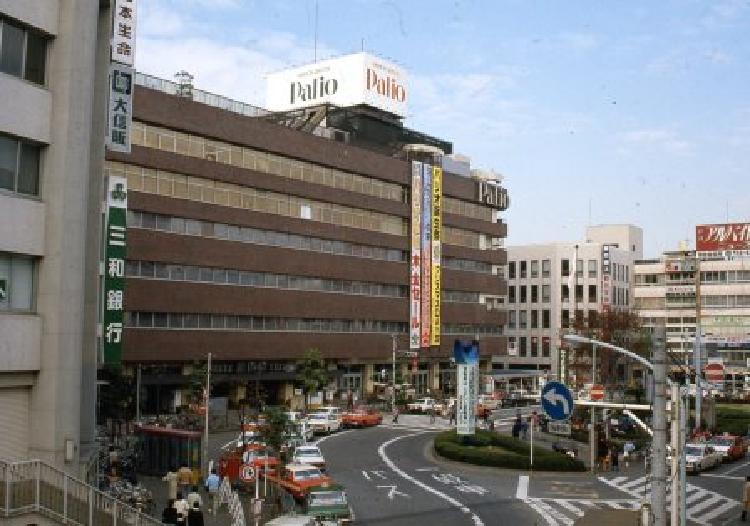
(556, 514)
(533, 504)
(705, 504)
(633, 483)
(719, 511)
(695, 496)
(567, 505)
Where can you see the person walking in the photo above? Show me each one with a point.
(395, 415)
(615, 458)
(452, 415)
(745, 498)
(212, 485)
(431, 413)
(181, 505)
(171, 479)
(194, 498)
(195, 516)
(169, 514)
(185, 479)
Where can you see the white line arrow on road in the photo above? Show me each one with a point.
(393, 492)
(553, 398)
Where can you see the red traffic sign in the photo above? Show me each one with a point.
(597, 392)
(714, 372)
(247, 473)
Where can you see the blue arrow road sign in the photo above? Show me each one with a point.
(557, 401)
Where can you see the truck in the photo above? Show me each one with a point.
(329, 505)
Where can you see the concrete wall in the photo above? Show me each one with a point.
(21, 225)
(42, 14)
(20, 343)
(34, 121)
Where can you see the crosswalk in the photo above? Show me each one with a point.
(704, 506)
(556, 512)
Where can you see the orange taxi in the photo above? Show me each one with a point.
(361, 417)
(297, 479)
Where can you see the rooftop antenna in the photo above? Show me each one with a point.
(589, 211)
(315, 56)
(363, 46)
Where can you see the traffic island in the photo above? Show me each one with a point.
(486, 448)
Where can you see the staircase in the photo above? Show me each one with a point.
(34, 487)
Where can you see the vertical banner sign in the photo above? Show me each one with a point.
(114, 269)
(415, 296)
(120, 110)
(466, 355)
(437, 225)
(123, 32)
(426, 252)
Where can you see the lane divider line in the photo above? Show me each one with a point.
(388, 462)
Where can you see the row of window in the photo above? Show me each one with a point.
(19, 165)
(181, 320)
(530, 269)
(228, 194)
(725, 301)
(196, 227)
(688, 300)
(533, 347)
(534, 319)
(16, 282)
(23, 52)
(710, 277)
(467, 264)
(524, 269)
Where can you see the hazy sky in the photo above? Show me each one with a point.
(639, 110)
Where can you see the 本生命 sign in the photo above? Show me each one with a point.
(466, 355)
(727, 236)
(123, 32)
(351, 80)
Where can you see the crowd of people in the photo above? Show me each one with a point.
(185, 504)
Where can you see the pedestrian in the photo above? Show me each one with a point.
(114, 456)
(194, 498)
(195, 516)
(395, 415)
(212, 485)
(185, 476)
(169, 514)
(615, 458)
(452, 415)
(746, 498)
(627, 452)
(431, 412)
(171, 479)
(181, 505)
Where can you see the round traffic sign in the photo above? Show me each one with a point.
(557, 401)
(597, 392)
(247, 473)
(714, 372)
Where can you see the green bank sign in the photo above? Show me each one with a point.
(114, 270)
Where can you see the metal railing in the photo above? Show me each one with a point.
(33, 486)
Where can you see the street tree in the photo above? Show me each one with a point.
(275, 427)
(313, 374)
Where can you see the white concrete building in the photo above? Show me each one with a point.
(53, 53)
(665, 293)
(541, 303)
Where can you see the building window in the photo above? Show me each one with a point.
(523, 269)
(534, 294)
(545, 319)
(545, 347)
(534, 268)
(534, 319)
(546, 268)
(593, 319)
(522, 319)
(16, 282)
(512, 294)
(593, 265)
(579, 268)
(579, 293)
(545, 293)
(512, 319)
(522, 294)
(522, 346)
(592, 293)
(564, 293)
(565, 319)
(19, 166)
(511, 270)
(565, 267)
(23, 52)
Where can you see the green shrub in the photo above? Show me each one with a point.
(489, 449)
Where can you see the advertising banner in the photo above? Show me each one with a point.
(120, 109)
(426, 257)
(123, 32)
(728, 236)
(437, 225)
(415, 285)
(466, 355)
(114, 269)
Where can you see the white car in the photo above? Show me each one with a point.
(324, 422)
(309, 455)
(425, 404)
(699, 457)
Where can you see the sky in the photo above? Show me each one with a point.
(594, 112)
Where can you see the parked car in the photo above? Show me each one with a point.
(700, 457)
(362, 417)
(731, 447)
(324, 422)
(297, 479)
(423, 405)
(309, 455)
(328, 504)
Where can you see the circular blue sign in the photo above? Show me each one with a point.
(557, 401)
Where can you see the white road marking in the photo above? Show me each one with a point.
(719, 511)
(403, 474)
(326, 437)
(364, 474)
(736, 468)
(393, 492)
(719, 476)
(426, 469)
(522, 490)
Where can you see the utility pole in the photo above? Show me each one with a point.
(138, 394)
(698, 344)
(658, 460)
(205, 425)
(393, 372)
(592, 431)
(676, 453)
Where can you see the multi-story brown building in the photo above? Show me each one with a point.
(256, 241)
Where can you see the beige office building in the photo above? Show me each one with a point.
(52, 55)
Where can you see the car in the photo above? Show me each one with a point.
(362, 417)
(489, 401)
(309, 455)
(328, 504)
(700, 456)
(731, 447)
(297, 479)
(261, 459)
(423, 405)
(324, 422)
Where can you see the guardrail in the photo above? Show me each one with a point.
(230, 497)
(33, 486)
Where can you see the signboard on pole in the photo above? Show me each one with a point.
(597, 392)
(557, 401)
(437, 207)
(466, 355)
(114, 269)
(714, 372)
(415, 285)
(559, 428)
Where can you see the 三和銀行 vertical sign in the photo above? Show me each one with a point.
(114, 269)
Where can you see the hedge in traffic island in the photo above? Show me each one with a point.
(486, 448)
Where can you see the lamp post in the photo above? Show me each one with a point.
(393, 371)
